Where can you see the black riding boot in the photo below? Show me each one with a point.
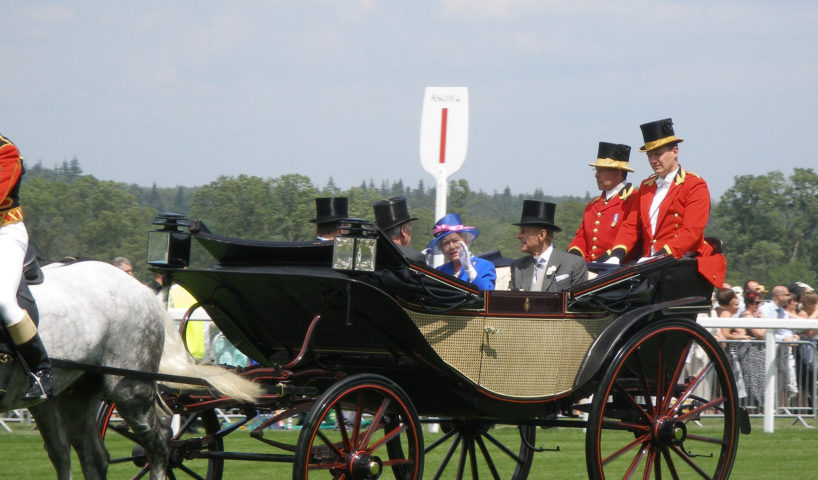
(33, 352)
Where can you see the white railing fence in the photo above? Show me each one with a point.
(772, 391)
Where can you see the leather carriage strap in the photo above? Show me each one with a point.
(124, 372)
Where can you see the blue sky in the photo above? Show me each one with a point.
(179, 93)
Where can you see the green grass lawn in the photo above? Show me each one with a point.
(788, 453)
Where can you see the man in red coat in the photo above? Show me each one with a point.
(673, 208)
(606, 213)
(19, 325)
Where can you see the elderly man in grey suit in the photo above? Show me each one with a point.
(544, 269)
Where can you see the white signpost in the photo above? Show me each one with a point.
(444, 136)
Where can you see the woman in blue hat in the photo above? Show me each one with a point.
(452, 239)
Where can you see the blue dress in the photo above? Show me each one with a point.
(486, 274)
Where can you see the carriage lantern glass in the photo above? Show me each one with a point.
(168, 246)
(355, 250)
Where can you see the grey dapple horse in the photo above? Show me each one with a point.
(94, 313)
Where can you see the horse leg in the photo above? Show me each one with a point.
(50, 426)
(136, 402)
(78, 408)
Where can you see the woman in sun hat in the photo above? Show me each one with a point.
(453, 239)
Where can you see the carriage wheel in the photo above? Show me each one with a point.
(474, 451)
(189, 448)
(359, 428)
(666, 408)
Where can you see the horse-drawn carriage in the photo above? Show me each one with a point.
(353, 336)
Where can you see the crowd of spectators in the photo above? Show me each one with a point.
(796, 348)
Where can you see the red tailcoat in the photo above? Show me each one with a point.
(11, 169)
(680, 224)
(601, 221)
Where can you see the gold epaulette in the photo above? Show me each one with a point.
(14, 215)
(649, 181)
(626, 192)
(682, 174)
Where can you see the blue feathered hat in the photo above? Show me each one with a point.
(451, 223)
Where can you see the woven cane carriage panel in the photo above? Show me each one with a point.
(531, 358)
(455, 339)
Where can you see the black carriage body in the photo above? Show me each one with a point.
(453, 349)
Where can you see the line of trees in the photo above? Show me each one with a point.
(768, 223)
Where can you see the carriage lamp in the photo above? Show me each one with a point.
(168, 246)
(355, 250)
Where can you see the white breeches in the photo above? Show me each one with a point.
(13, 244)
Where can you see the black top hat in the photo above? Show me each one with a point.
(538, 213)
(613, 155)
(330, 209)
(391, 213)
(658, 133)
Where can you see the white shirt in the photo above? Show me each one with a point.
(540, 261)
(662, 187)
(609, 194)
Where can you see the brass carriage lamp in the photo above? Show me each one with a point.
(168, 246)
(355, 249)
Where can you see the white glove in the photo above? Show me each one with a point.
(427, 254)
(612, 261)
(464, 256)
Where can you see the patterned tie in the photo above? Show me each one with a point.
(539, 267)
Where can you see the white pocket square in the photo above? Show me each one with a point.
(560, 278)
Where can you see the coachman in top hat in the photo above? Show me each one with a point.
(606, 213)
(392, 217)
(674, 205)
(13, 245)
(329, 215)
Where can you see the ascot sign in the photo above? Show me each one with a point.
(444, 130)
(444, 136)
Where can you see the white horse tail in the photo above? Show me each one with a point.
(177, 361)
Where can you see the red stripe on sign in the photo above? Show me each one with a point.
(444, 114)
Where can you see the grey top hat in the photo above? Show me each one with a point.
(391, 213)
(330, 209)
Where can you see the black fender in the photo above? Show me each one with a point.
(607, 343)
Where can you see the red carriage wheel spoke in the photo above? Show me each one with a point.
(398, 461)
(643, 381)
(650, 464)
(342, 428)
(669, 462)
(636, 461)
(702, 438)
(660, 378)
(701, 408)
(690, 462)
(690, 388)
(376, 423)
(677, 374)
(359, 413)
(627, 426)
(354, 449)
(630, 398)
(629, 446)
(394, 433)
(332, 446)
